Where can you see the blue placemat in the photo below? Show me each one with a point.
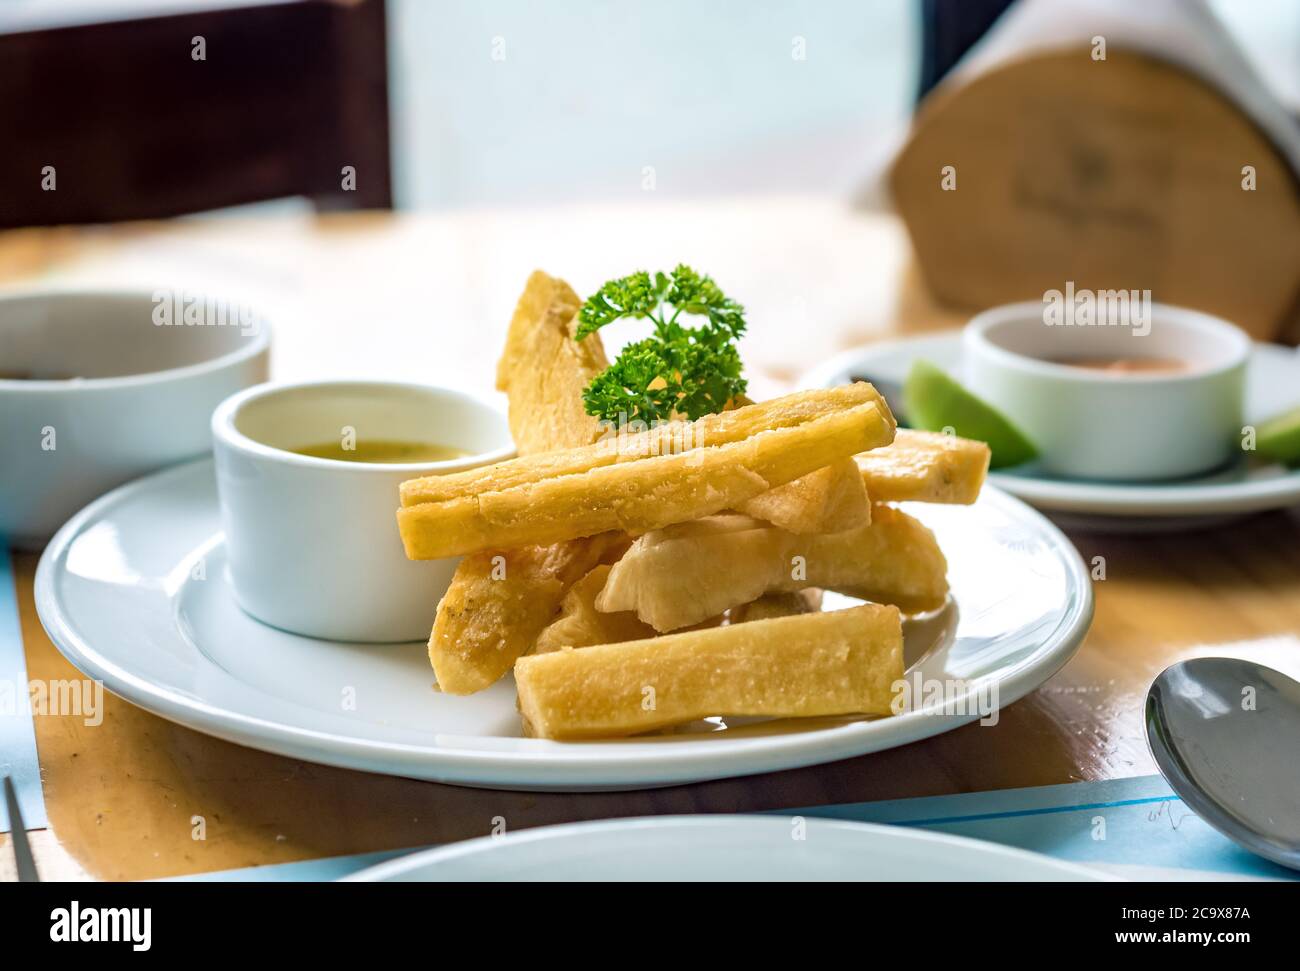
(17, 734)
(1134, 827)
(1131, 827)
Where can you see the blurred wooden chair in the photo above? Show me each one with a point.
(133, 125)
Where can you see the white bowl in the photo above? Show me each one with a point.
(312, 543)
(105, 395)
(1094, 424)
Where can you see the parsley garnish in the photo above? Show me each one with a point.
(691, 371)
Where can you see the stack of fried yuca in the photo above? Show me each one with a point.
(637, 581)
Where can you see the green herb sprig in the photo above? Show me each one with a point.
(680, 370)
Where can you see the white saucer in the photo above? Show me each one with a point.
(1272, 387)
(725, 848)
(117, 591)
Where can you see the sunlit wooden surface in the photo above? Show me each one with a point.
(428, 297)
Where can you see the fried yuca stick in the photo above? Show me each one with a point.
(925, 467)
(498, 603)
(842, 662)
(675, 577)
(544, 371)
(669, 438)
(638, 496)
(832, 499)
(580, 624)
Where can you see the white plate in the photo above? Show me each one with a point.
(118, 594)
(724, 848)
(1272, 387)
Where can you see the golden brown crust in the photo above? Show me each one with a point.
(639, 495)
(677, 576)
(925, 467)
(842, 662)
(500, 601)
(726, 428)
(484, 623)
(544, 371)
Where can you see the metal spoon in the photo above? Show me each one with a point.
(1226, 735)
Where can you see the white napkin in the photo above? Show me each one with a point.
(1183, 32)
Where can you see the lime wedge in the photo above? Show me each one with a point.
(1278, 439)
(936, 402)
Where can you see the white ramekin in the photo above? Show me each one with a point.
(1092, 424)
(312, 545)
(117, 390)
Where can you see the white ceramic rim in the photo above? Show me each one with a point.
(691, 824)
(585, 766)
(255, 345)
(225, 433)
(978, 340)
(1163, 499)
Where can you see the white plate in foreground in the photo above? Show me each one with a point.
(133, 591)
(1272, 387)
(724, 848)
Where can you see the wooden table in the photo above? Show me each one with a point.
(428, 296)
